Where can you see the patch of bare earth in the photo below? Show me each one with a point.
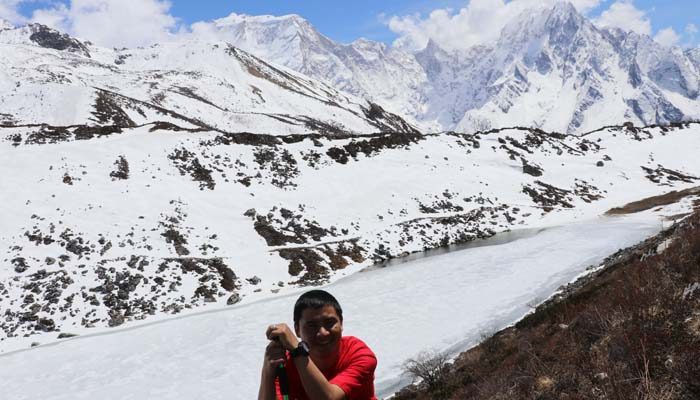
(654, 201)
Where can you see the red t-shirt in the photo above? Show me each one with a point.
(354, 372)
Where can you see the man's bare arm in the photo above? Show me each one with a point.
(315, 384)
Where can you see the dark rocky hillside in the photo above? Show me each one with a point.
(630, 330)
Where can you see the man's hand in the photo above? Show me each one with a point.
(282, 334)
(274, 355)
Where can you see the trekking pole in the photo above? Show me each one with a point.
(282, 377)
(284, 385)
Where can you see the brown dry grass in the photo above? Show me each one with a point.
(654, 201)
(629, 332)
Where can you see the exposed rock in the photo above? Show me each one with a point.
(373, 145)
(666, 176)
(45, 325)
(116, 318)
(548, 196)
(254, 280)
(233, 299)
(51, 38)
(188, 163)
(289, 227)
(108, 111)
(20, 264)
(531, 168)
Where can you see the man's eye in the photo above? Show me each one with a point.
(329, 324)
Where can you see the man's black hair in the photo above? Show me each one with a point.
(316, 299)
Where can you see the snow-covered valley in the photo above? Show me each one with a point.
(161, 204)
(148, 223)
(445, 302)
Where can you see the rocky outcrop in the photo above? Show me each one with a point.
(53, 39)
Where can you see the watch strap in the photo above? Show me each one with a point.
(301, 350)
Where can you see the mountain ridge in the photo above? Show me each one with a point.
(165, 81)
(435, 91)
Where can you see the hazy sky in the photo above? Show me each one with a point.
(453, 23)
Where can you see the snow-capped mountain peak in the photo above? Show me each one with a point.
(550, 68)
(279, 38)
(363, 68)
(192, 83)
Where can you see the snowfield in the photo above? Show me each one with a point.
(147, 222)
(444, 302)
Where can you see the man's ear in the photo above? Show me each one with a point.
(296, 329)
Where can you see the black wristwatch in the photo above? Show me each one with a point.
(301, 350)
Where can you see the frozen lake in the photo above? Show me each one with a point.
(443, 302)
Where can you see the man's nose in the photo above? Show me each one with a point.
(322, 331)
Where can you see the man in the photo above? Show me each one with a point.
(324, 364)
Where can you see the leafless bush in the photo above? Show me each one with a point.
(430, 367)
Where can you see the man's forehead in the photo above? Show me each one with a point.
(313, 314)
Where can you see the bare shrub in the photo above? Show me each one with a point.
(122, 169)
(430, 367)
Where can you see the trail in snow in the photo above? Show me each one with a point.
(443, 302)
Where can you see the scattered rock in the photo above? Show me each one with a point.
(233, 299)
(254, 280)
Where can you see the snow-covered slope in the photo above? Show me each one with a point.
(363, 68)
(142, 183)
(217, 355)
(551, 68)
(50, 78)
(557, 71)
(105, 226)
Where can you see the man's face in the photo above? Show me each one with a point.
(321, 328)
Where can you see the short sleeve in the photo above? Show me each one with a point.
(357, 379)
